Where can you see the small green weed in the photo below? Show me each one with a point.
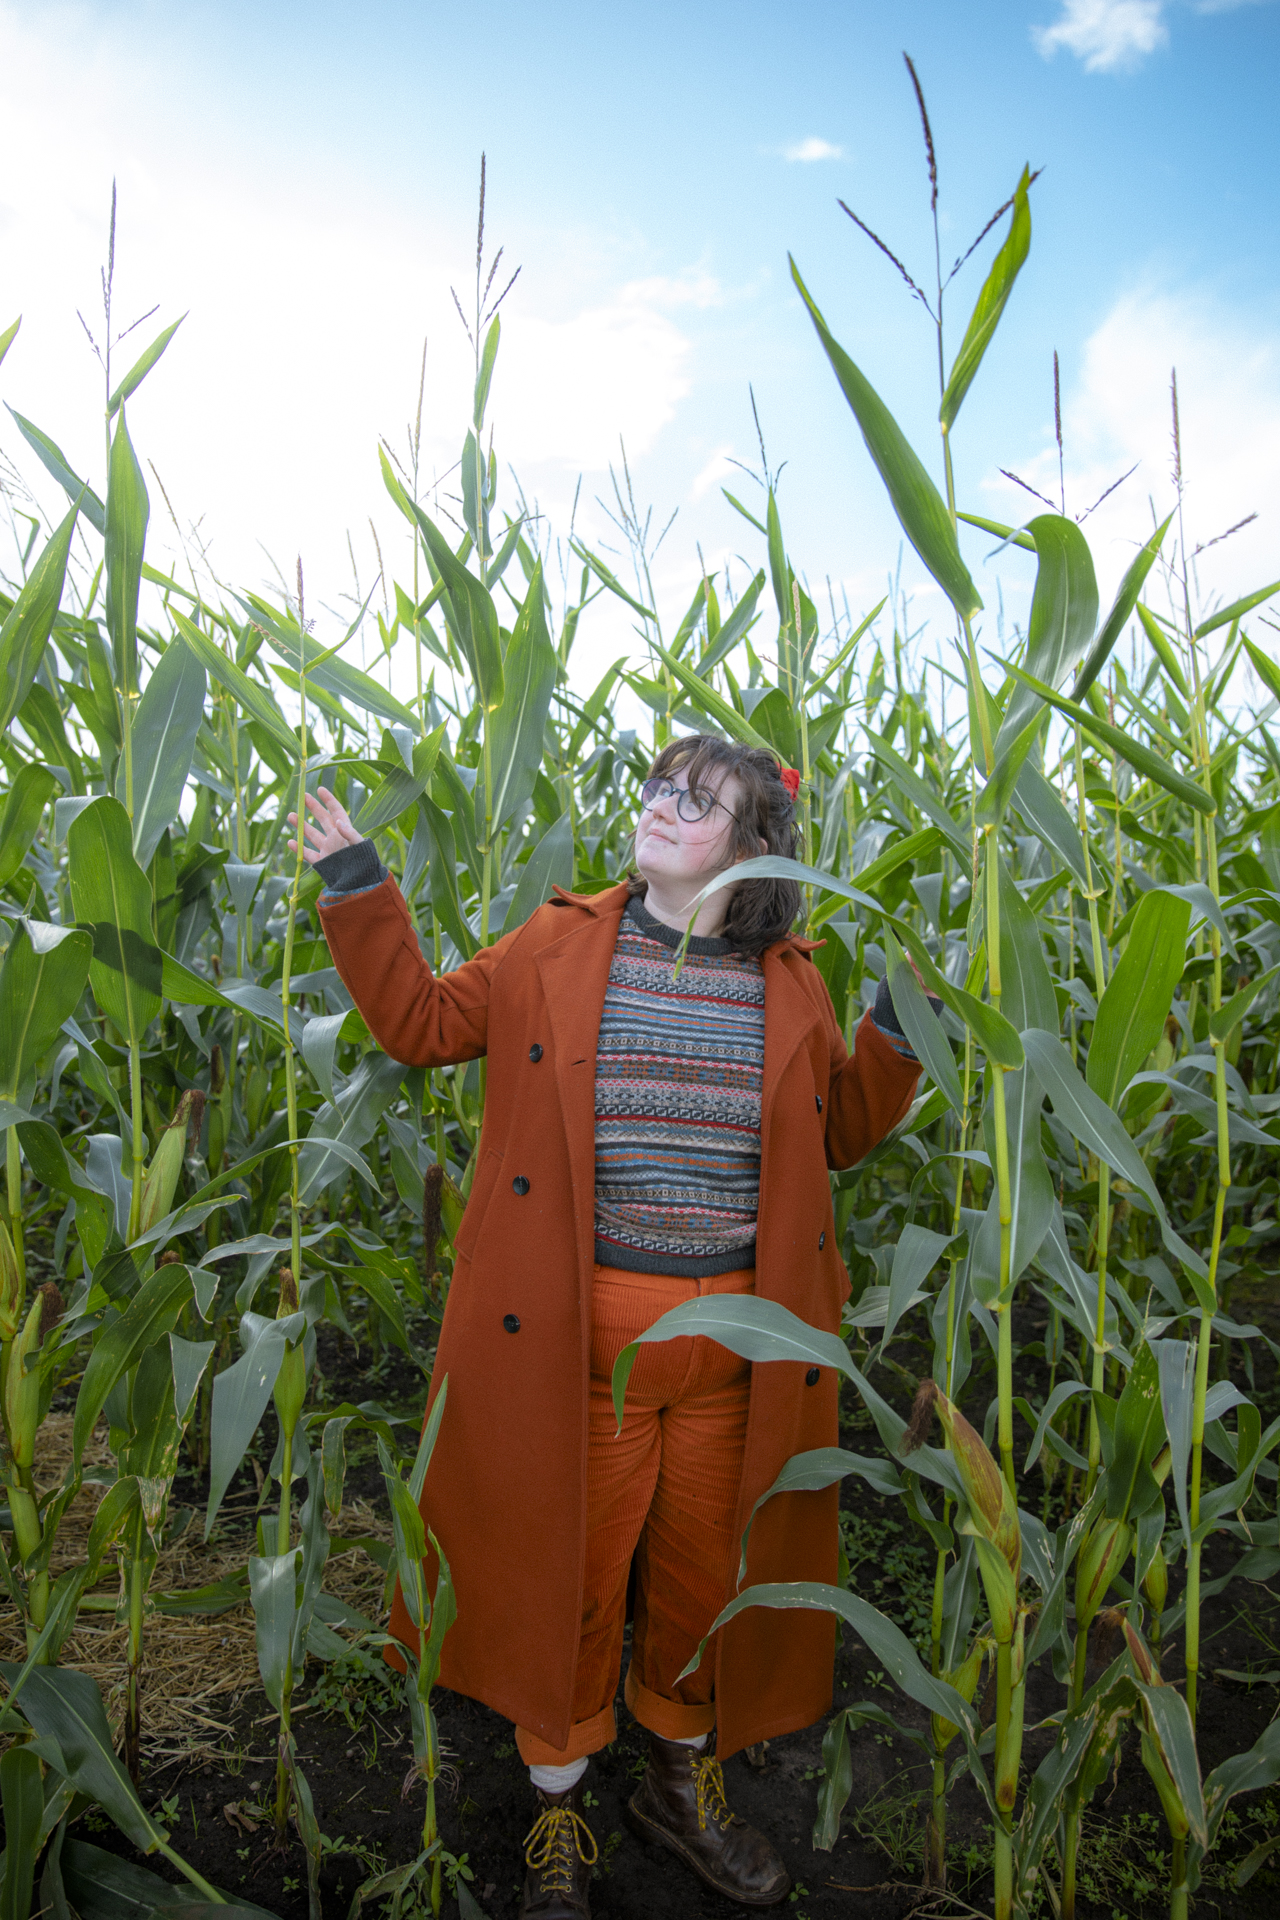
(355, 1684)
(893, 1567)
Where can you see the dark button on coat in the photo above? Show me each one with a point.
(506, 1490)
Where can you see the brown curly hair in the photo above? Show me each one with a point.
(760, 912)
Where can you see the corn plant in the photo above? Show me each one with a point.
(1068, 839)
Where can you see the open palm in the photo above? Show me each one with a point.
(328, 830)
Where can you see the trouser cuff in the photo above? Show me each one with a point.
(669, 1719)
(585, 1737)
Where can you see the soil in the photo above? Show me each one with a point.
(356, 1763)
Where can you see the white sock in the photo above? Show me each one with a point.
(692, 1740)
(558, 1779)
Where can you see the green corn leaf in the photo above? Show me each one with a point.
(1098, 1129)
(1045, 814)
(29, 794)
(248, 694)
(484, 376)
(1064, 612)
(1169, 1723)
(610, 580)
(1011, 755)
(475, 618)
(985, 317)
(916, 501)
(101, 1886)
(240, 1396)
(754, 1329)
(65, 1708)
(1265, 668)
(1135, 1439)
(1140, 758)
(400, 788)
(888, 1644)
(549, 865)
(141, 368)
(1125, 602)
(1133, 1010)
(112, 897)
(9, 335)
(994, 1034)
(710, 702)
(1237, 610)
(822, 1467)
(128, 508)
(272, 1579)
(920, 793)
(917, 1253)
(1228, 1017)
(152, 1313)
(29, 622)
(22, 1792)
(1249, 1772)
(164, 737)
(920, 1024)
(323, 669)
(41, 980)
(518, 728)
(54, 462)
(1162, 647)
(735, 628)
(1017, 537)
(188, 989)
(916, 846)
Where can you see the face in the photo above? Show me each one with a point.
(676, 853)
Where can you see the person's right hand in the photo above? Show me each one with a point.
(330, 830)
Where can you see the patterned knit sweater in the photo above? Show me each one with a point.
(679, 1067)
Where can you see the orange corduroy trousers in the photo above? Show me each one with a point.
(664, 1491)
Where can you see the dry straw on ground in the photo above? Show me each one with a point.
(197, 1667)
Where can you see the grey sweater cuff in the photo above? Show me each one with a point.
(351, 869)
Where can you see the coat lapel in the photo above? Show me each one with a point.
(574, 972)
(789, 1017)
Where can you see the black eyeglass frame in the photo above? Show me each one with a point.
(649, 794)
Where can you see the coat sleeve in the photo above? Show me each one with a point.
(415, 1016)
(871, 1090)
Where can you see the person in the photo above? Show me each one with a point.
(651, 1135)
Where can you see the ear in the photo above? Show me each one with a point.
(764, 845)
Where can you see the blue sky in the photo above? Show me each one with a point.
(303, 180)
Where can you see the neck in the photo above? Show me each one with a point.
(673, 906)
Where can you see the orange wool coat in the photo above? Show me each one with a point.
(506, 1490)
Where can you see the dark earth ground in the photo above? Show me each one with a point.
(356, 1759)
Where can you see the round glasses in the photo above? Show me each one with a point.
(689, 806)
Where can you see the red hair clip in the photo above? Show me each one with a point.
(790, 777)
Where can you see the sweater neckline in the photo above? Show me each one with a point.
(708, 945)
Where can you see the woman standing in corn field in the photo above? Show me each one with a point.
(649, 1136)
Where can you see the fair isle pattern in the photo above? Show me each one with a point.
(679, 1068)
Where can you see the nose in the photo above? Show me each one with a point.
(667, 804)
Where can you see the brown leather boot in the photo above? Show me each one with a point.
(680, 1804)
(559, 1851)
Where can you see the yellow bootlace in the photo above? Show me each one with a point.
(550, 1844)
(708, 1784)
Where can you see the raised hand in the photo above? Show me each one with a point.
(329, 830)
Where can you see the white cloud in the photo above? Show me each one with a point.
(1108, 35)
(1116, 411)
(812, 149)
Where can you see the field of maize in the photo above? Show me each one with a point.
(226, 1230)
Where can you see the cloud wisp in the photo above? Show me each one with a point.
(807, 151)
(1109, 36)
